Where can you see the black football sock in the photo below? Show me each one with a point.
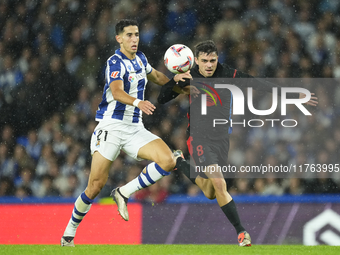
(231, 212)
(184, 167)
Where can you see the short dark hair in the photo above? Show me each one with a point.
(125, 23)
(207, 47)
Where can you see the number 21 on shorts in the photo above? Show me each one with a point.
(100, 132)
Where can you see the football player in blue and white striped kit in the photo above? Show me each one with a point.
(121, 128)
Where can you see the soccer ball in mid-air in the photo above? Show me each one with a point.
(178, 58)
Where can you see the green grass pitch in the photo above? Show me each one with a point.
(167, 249)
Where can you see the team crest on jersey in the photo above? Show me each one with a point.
(201, 159)
(114, 74)
(140, 63)
(129, 67)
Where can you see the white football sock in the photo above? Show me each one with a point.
(153, 173)
(81, 208)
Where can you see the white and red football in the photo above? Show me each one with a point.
(178, 58)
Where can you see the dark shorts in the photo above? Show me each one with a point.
(205, 151)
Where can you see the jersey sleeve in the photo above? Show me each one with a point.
(166, 94)
(148, 68)
(115, 70)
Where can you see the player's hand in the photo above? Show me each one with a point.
(147, 107)
(191, 90)
(182, 76)
(313, 99)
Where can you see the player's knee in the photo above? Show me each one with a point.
(210, 195)
(207, 187)
(219, 185)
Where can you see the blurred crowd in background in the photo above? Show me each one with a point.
(52, 61)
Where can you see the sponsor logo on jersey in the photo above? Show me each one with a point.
(131, 78)
(114, 74)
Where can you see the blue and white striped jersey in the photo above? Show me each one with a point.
(133, 74)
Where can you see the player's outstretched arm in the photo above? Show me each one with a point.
(157, 77)
(118, 93)
(313, 100)
(161, 79)
(184, 77)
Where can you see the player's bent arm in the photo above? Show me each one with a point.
(170, 91)
(118, 93)
(180, 84)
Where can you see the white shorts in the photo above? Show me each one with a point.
(109, 138)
